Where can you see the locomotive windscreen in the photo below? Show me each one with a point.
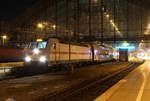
(40, 45)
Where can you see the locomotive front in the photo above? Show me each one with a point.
(36, 53)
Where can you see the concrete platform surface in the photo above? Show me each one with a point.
(134, 87)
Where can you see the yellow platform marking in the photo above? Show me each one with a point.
(11, 64)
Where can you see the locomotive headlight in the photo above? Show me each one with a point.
(36, 51)
(42, 59)
(27, 59)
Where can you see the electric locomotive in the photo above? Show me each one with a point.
(53, 52)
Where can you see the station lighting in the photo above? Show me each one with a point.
(112, 23)
(40, 25)
(149, 26)
(148, 29)
(54, 26)
(4, 37)
(116, 28)
(148, 50)
(142, 54)
(107, 15)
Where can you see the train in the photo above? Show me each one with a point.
(55, 52)
(9, 54)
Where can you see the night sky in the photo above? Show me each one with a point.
(12, 8)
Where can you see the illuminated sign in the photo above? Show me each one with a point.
(125, 47)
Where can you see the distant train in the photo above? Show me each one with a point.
(11, 54)
(54, 52)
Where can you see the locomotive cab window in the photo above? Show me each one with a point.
(40, 45)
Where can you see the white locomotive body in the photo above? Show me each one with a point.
(54, 52)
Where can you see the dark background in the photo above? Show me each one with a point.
(12, 8)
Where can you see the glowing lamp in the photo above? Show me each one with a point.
(125, 44)
(39, 40)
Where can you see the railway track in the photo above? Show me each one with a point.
(16, 69)
(68, 93)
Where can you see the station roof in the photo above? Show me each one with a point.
(130, 17)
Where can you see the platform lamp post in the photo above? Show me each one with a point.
(4, 37)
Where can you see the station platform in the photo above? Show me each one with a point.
(134, 87)
(11, 64)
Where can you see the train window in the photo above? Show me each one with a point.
(37, 45)
(101, 47)
(42, 44)
(54, 46)
(32, 45)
